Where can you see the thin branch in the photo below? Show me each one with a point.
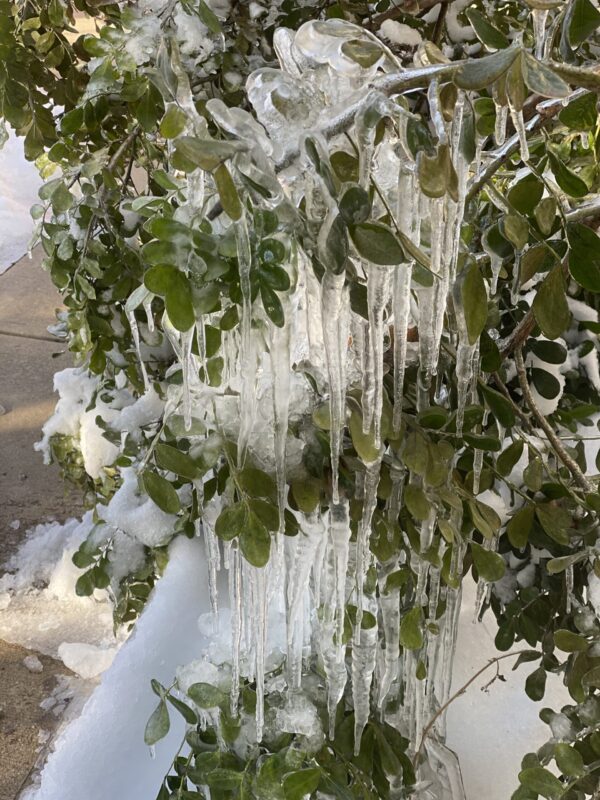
(441, 710)
(556, 443)
(504, 389)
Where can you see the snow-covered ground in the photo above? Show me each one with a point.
(19, 183)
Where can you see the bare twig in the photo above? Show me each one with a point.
(442, 709)
(556, 443)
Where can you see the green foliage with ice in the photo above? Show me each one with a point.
(332, 283)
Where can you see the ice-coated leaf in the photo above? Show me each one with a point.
(416, 501)
(206, 153)
(481, 73)
(255, 541)
(509, 457)
(306, 493)
(580, 114)
(377, 243)
(535, 684)
(490, 566)
(301, 784)
(272, 305)
(474, 301)
(158, 725)
(550, 306)
(542, 79)
(205, 695)
(486, 32)
(158, 279)
(161, 492)
(231, 521)
(355, 205)
(516, 230)
(437, 174)
(230, 199)
(584, 256)
(411, 629)
(568, 181)
(178, 302)
(173, 122)
(555, 521)
(186, 712)
(500, 407)
(209, 18)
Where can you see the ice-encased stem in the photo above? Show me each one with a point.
(519, 123)
(187, 370)
(389, 603)
(364, 657)
(235, 602)
(500, 123)
(371, 482)
(280, 369)
(335, 306)
(539, 17)
(135, 332)
(247, 356)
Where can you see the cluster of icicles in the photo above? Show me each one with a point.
(321, 569)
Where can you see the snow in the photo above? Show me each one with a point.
(399, 33)
(86, 660)
(110, 730)
(19, 184)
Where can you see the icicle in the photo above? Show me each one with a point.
(569, 584)
(516, 281)
(539, 17)
(448, 770)
(500, 124)
(149, 315)
(397, 474)
(477, 466)
(259, 635)
(280, 368)
(339, 534)
(483, 587)
(519, 123)
(372, 470)
(432, 304)
(365, 130)
(235, 602)
(389, 603)
(213, 559)
(311, 534)
(378, 290)
(335, 316)
(187, 367)
(364, 656)
(435, 112)
(136, 340)
(496, 265)
(247, 355)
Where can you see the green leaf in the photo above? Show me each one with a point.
(519, 527)
(411, 629)
(490, 565)
(178, 303)
(550, 306)
(516, 230)
(206, 153)
(526, 194)
(377, 243)
(569, 760)
(272, 305)
(158, 279)
(499, 406)
(568, 181)
(363, 443)
(257, 483)
(161, 492)
(307, 494)
(437, 174)
(584, 256)
(301, 784)
(555, 521)
(85, 585)
(186, 712)
(550, 352)
(230, 199)
(541, 79)
(584, 20)
(267, 512)
(473, 294)
(255, 541)
(176, 461)
(535, 684)
(205, 695)
(173, 122)
(509, 457)
(158, 725)
(486, 32)
(355, 205)
(481, 73)
(569, 642)
(542, 781)
(416, 501)
(209, 18)
(231, 521)
(364, 51)
(580, 114)
(62, 199)
(223, 779)
(545, 213)
(556, 565)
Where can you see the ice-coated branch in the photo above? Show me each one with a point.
(546, 112)
(554, 440)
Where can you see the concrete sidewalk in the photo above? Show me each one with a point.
(30, 493)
